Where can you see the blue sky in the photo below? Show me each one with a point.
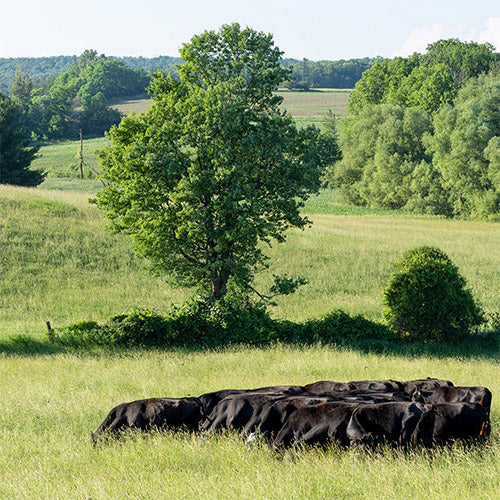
(313, 29)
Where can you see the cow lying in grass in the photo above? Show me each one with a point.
(147, 413)
(445, 422)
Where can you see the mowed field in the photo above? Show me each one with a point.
(59, 263)
(307, 108)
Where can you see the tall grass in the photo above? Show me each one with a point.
(62, 160)
(59, 262)
(51, 402)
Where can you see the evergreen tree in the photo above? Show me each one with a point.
(16, 152)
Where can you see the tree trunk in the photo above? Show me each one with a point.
(219, 284)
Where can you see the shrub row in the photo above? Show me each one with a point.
(197, 324)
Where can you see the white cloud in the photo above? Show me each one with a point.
(421, 37)
(492, 33)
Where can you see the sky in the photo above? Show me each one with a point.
(312, 29)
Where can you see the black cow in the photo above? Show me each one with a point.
(372, 396)
(211, 399)
(270, 417)
(325, 387)
(236, 410)
(375, 385)
(317, 424)
(424, 386)
(156, 412)
(443, 422)
(392, 422)
(480, 395)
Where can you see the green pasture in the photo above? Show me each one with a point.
(59, 263)
(306, 107)
(132, 105)
(311, 108)
(52, 400)
(61, 159)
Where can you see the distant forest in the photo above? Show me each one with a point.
(342, 74)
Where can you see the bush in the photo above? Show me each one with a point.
(200, 323)
(428, 299)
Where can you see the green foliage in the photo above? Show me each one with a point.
(301, 86)
(77, 99)
(340, 74)
(213, 167)
(16, 150)
(397, 157)
(201, 323)
(427, 81)
(384, 160)
(427, 298)
(465, 148)
(197, 323)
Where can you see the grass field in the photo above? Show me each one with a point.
(61, 162)
(50, 402)
(305, 107)
(61, 159)
(311, 108)
(60, 264)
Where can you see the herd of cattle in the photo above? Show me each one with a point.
(364, 413)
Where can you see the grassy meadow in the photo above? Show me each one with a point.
(60, 264)
(61, 159)
(51, 401)
(307, 108)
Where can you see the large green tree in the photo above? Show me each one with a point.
(383, 155)
(214, 167)
(465, 148)
(16, 151)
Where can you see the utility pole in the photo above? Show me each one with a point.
(81, 154)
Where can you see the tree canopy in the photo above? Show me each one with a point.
(213, 167)
(424, 80)
(423, 133)
(78, 98)
(465, 148)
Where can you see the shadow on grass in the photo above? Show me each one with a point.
(25, 345)
(486, 346)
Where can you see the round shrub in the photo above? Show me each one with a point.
(427, 298)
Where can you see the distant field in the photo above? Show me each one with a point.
(310, 108)
(61, 160)
(306, 107)
(137, 105)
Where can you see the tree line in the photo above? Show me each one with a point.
(77, 99)
(341, 74)
(424, 134)
(315, 74)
